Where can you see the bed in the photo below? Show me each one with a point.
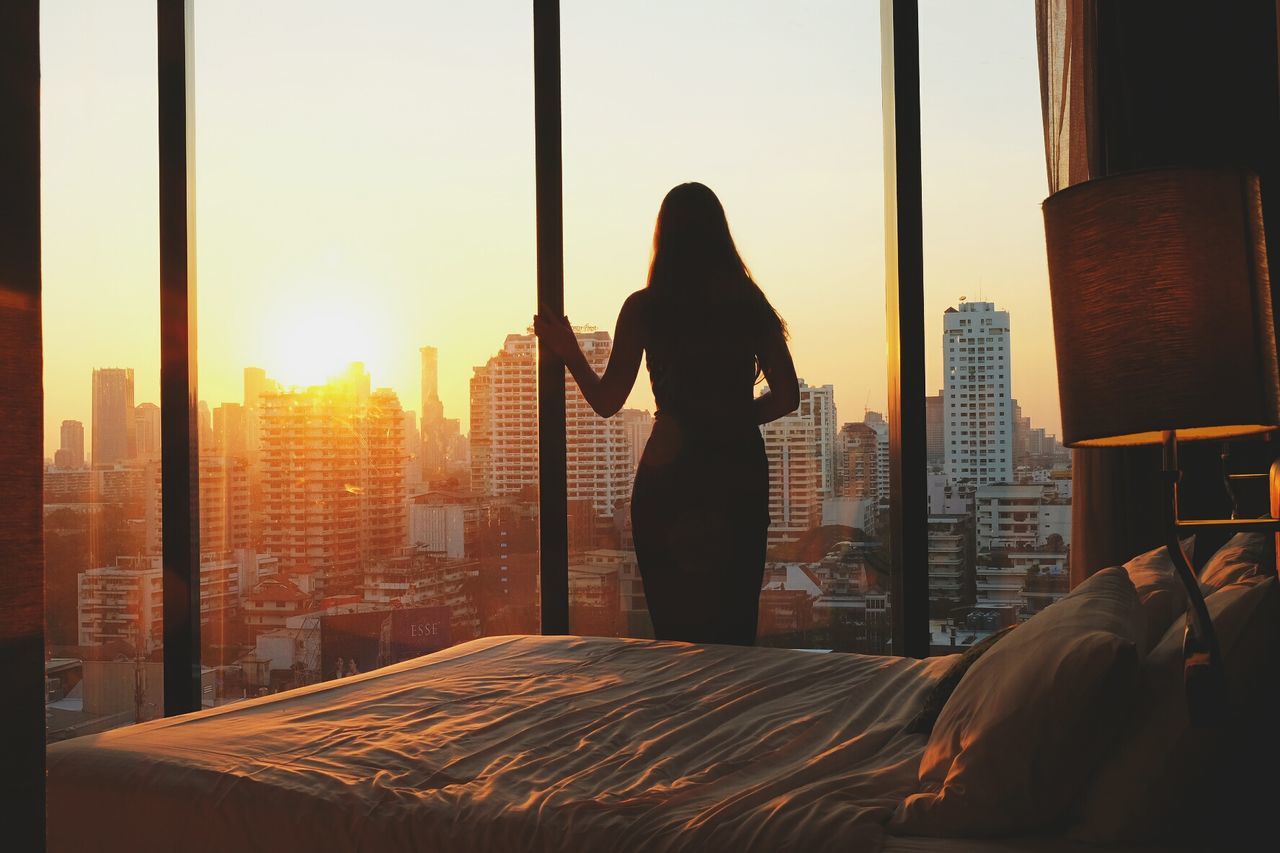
(1072, 728)
(526, 743)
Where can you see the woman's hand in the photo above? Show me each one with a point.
(556, 334)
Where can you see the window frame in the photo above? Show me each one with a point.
(904, 292)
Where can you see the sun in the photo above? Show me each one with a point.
(314, 338)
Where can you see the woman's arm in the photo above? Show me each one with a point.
(607, 393)
(783, 396)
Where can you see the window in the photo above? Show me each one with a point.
(793, 149)
(103, 607)
(982, 145)
(366, 283)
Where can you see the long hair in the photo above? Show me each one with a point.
(696, 263)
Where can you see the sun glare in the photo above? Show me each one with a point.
(314, 340)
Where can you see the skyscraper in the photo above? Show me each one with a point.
(880, 426)
(977, 407)
(434, 433)
(637, 424)
(146, 417)
(333, 479)
(113, 415)
(224, 505)
(795, 477)
(818, 405)
(204, 421)
(230, 431)
(504, 420)
(858, 461)
(599, 454)
(934, 430)
(71, 452)
(504, 428)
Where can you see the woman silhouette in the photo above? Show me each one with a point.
(700, 505)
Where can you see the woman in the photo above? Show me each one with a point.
(700, 506)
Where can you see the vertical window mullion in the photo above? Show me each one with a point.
(904, 304)
(179, 399)
(553, 492)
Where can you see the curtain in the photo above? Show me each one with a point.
(1066, 32)
(1107, 518)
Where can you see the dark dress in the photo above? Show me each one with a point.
(700, 505)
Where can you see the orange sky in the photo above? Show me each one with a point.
(365, 183)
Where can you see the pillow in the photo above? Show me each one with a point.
(934, 701)
(1145, 791)
(1026, 726)
(1234, 561)
(1161, 592)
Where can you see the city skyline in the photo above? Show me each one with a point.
(318, 245)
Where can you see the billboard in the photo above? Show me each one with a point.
(352, 643)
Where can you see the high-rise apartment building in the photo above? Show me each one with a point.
(978, 414)
(795, 477)
(950, 563)
(412, 450)
(333, 486)
(71, 452)
(146, 429)
(504, 428)
(124, 601)
(637, 424)
(230, 431)
(204, 423)
(934, 431)
(818, 405)
(858, 461)
(876, 421)
(435, 438)
(504, 420)
(224, 505)
(113, 415)
(598, 452)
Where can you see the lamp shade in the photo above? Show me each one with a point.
(1162, 308)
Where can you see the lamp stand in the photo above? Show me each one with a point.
(1202, 671)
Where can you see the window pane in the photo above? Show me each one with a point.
(101, 365)
(777, 108)
(366, 269)
(999, 482)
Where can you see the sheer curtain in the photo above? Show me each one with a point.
(1066, 31)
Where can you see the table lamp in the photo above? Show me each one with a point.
(1164, 333)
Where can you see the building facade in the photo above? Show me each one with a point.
(113, 416)
(978, 416)
(818, 406)
(795, 477)
(504, 429)
(70, 453)
(333, 486)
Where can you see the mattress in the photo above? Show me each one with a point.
(518, 743)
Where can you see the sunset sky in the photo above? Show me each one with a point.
(365, 181)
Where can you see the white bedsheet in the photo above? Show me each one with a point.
(518, 743)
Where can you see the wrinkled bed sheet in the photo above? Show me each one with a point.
(518, 743)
